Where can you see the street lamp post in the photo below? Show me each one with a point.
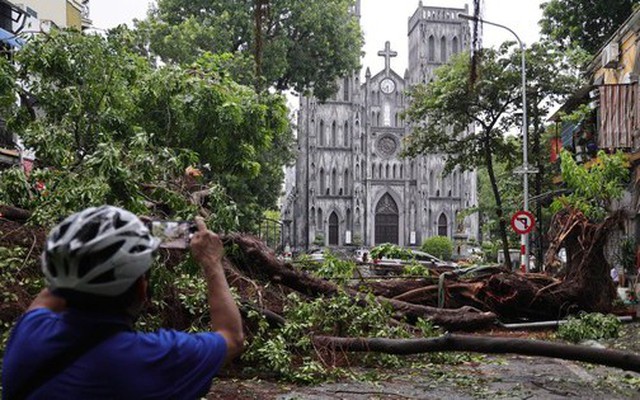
(525, 157)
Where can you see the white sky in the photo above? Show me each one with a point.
(382, 20)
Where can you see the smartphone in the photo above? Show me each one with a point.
(173, 234)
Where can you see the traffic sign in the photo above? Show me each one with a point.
(523, 222)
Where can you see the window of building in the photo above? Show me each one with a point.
(323, 182)
(346, 181)
(345, 89)
(321, 134)
(443, 226)
(443, 50)
(431, 48)
(334, 134)
(334, 182)
(346, 134)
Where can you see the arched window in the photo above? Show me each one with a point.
(394, 171)
(443, 49)
(346, 134)
(443, 229)
(378, 119)
(346, 181)
(373, 171)
(373, 117)
(320, 223)
(454, 45)
(431, 50)
(386, 172)
(323, 182)
(346, 89)
(401, 171)
(334, 182)
(395, 120)
(334, 134)
(380, 171)
(312, 218)
(333, 229)
(322, 139)
(349, 219)
(455, 183)
(432, 183)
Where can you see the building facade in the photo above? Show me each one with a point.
(352, 187)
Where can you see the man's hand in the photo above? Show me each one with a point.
(206, 246)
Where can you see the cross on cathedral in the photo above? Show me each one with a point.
(387, 54)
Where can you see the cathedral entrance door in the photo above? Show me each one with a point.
(333, 229)
(387, 220)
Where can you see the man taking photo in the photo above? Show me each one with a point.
(76, 340)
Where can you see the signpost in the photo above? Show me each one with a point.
(523, 223)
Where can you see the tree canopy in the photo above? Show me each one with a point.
(586, 24)
(296, 45)
(109, 127)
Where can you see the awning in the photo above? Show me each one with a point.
(10, 38)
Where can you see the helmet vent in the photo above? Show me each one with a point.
(88, 232)
(118, 222)
(138, 249)
(62, 230)
(91, 260)
(108, 276)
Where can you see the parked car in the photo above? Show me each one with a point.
(421, 257)
(315, 255)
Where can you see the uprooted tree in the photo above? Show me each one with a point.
(99, 141)
(301, 325)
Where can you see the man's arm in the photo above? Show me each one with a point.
(46, 299)
(207, 250)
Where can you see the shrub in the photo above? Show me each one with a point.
(439, 246)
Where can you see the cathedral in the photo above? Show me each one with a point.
(350, 187)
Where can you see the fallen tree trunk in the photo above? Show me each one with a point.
(257, 260)
(482, 344)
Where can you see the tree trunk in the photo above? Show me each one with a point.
(258, 260)
(482, 344)
(496, 194)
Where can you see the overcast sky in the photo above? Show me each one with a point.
(382, 20)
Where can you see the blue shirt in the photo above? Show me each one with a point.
(128, 365)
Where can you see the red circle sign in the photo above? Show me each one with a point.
(523, 222)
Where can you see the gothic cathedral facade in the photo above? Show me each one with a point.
(351, 186)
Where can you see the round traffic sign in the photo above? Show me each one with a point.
(523, 222)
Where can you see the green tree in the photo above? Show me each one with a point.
(550, 78)
(585, 24)
(111, 128)
(594, 186)
(443, 111)
(292, 44)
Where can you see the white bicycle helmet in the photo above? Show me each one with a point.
(98, 251)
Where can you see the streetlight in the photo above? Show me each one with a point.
(525, 158)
